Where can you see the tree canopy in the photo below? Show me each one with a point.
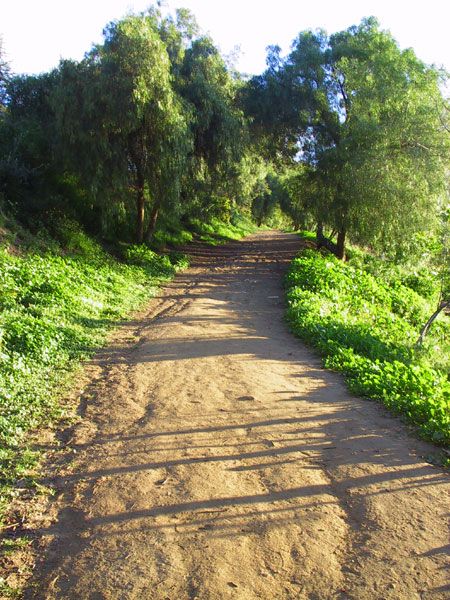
(347, 131)
(366, 118)
(127, 126)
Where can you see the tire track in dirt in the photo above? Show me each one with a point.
(216, 459)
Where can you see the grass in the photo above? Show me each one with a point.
(364, 317)
(217, 232)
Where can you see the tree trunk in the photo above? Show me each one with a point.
(442, 305)
(322, 241)
(337, 249)
(340, 245)
(152, 221)
(140, 205)
(320, 238)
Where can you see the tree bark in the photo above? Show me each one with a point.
(140, 206)
(340, 245)
(322, 241)
(153, 218)
(337, 249)
(320, 238)
(137, 161)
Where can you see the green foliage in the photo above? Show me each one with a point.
(442, 262)
(423, 282)
(217, 129)
(218, 232)
(55, 309)
(267, 202)
(363, 125)
(171, 237)
(7, 591)
(366, 326)
(158, 266)
(179, 260)
(30, 180)
(124, 94)
(145, 128)
(170, 232)
(250, 178)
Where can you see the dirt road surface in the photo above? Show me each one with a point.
(217, 460)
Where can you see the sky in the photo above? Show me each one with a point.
(38, 33)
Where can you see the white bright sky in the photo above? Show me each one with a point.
(37, 33)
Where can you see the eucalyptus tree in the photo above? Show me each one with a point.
(271, 197)
(249, 180)
(387, 164)
(121, 120)
(274, 110)
(304, 195)
(207, 92)
(177, 33)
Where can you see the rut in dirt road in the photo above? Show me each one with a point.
(216, 459)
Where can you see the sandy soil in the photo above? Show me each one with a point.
(217, 460)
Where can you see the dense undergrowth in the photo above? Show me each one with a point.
(58, 299)
(214, 232)
(364, 316)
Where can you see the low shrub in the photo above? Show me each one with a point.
(55, 309)
(366, 327)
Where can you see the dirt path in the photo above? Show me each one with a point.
(217, 460)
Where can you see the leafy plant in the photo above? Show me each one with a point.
(56, 310)
(365, 326)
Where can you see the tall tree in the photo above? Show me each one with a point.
(29, 171)
(122, 119)
(388, 167)
(366, 117)
(217, 125)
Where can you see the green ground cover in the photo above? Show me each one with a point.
(56, 305)
(364, 316)
(217, 232)
(58, 299)
(172, 233)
